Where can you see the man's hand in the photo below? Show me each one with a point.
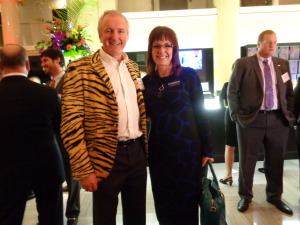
(205, 159)
(89, 183)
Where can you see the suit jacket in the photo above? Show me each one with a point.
(29, 119)
(89, 126)
(297, 101)
(59, 86)
(245, 90)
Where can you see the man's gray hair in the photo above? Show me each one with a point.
(112, 13)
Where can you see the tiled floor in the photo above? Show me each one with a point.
(259, 213)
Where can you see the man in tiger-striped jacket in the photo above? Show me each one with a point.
(104, 125)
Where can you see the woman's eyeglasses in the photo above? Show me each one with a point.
(165, 46)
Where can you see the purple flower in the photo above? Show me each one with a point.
(87, 48)
(59, 36)
(41, 50)
(55, 44)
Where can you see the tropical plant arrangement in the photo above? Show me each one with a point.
(65, 31)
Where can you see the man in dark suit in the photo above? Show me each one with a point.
(29, 153)
(261, 99)
(53, 63)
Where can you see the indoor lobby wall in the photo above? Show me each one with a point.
(197, 28)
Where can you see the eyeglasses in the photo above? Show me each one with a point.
(165, 46)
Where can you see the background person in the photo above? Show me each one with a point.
(29, 153)
(261, 101)
(52, 60)
(179, 139)
(230, 138)
(297, 114)
(104, 126)
(36, 80)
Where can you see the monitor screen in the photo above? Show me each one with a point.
(191, 58)
(200, 59)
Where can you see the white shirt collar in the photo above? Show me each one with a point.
(111, 60)
(14, 74)
(261, 59)
(58, 77)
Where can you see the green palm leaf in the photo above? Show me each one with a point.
(78, 12)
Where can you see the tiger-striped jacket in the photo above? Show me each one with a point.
(89, 127)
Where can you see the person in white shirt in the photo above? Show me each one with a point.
(104, 126)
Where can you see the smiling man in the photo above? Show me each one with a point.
(104, 126)
(260, 96)
(52, 60)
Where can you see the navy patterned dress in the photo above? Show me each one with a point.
(178, 139)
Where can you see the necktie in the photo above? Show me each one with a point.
(52, 83)
(269, 102)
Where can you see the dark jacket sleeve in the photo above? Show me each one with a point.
(297, 101)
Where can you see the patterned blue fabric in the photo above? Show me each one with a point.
(179, 138)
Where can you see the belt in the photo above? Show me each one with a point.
(128, 142)
(269, 111)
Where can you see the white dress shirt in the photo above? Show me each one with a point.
(274, 81)
(57, 78)
(124, 88)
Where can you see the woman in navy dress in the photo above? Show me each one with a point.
(179, 142)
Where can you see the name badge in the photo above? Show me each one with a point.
(285, 77)
(174, 83)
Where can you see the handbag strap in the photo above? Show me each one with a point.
(209, 164)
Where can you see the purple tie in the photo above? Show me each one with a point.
(268, 86)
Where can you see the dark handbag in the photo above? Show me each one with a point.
(212, 202)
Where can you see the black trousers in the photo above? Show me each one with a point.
(49, 203)
(128, 177)
(270, 130)
(73, 202)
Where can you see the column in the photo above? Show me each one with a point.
(226, 43)
(10, 17)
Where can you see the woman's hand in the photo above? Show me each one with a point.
(205, 159)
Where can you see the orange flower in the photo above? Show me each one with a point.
(47, 27)
(78, 44)
(57, 22)
(68, 47)
(79, 27)
(82, 41)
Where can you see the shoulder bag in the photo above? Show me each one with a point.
(212, 202)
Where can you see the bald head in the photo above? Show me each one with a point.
(14, 58)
